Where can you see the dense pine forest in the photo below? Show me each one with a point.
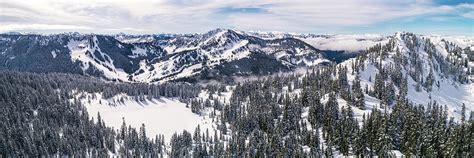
(40, 117)
(263, 118)
(319, 112)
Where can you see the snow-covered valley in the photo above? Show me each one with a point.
(161, 116)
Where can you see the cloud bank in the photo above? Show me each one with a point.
(187, 16)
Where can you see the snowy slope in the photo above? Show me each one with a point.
(160, 116)
(164, 116)
(83, 51)
(450, 92)
(155, 58)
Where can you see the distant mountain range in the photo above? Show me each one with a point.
(164, 57)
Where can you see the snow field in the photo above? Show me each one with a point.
(160, 116)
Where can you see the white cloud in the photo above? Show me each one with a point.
(469, 14)
(156, 16)
(15, 27)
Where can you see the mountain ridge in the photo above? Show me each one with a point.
(105, 56)
(166, 57)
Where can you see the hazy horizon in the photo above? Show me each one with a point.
(251, 31)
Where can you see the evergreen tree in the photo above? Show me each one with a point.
(330, 118)
(358, 95)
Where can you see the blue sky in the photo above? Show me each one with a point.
(444, 17)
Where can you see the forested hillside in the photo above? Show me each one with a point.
(407, 96)
(41, 117)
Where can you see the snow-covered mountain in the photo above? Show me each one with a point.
(152, 58)
(432, 71)
(163, 57)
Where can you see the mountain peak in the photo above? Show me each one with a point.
(220, 31)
